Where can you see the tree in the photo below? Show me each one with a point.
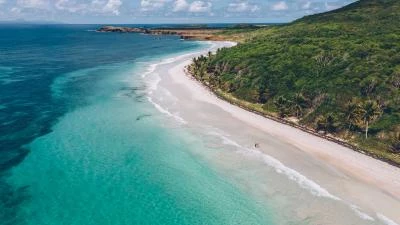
(326, 123)
(395, 80)
(368, 85)
(370, 111)
(395, 142)
(209, 55)
(299, 103)
(330, 123)
(352, 114)
(282, 104)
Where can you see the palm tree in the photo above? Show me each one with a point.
(209, 55)
(352, 114)
(326, 123)
(321, 123)
(395, 145)
(299, 103)
(281, 104)
(370, 111)
(330, 123)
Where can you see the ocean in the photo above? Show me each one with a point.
(95, 128)
(81, 144)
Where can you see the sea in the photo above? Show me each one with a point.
(81, 144)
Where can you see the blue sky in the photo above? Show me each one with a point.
(164, 11)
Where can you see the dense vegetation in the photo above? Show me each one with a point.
(337, 73)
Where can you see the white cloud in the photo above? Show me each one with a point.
(306, 5)
(151, 5)
(2, 1)
(242, 7)
(200, 7)
(16, 10)
(70, 6)
(280, 6)
(194, 7)
(112, 6)
(35, 4)
(95, 6)
(331, 7)
(180, 5)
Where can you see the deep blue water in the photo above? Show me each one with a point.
(32, 56)
(73, 146)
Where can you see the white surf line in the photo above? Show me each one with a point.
(386, 220)
(212, 48)
(166, 112)
(154, 85)
(304, 182)
(361, 214)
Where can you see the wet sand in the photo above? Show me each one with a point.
(313, 177)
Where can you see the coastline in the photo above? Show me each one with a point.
(193, 34)
(346, 145)
(331, 138)
(371, 172)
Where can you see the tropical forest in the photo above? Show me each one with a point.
(335, 73)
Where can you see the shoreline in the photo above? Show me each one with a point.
(198, 34)
(370, 171)
(300, 128)
(294, 125)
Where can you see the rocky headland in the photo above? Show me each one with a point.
(184, 33)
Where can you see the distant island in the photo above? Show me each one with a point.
(122, 29)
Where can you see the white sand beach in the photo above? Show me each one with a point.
(324, 182)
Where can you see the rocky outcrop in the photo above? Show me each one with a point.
(183, 33)
(122, 29)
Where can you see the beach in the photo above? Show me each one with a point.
(314, 179)
(102, 153)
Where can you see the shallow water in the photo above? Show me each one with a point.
(105, 155)
(299, 188)
(91, 136)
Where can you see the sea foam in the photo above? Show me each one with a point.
(304, 182)
(386, 220)
(279, 167)
(166, 112)
(361, 214)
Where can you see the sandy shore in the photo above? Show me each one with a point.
(369, 186)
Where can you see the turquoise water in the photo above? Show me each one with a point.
(84, 146)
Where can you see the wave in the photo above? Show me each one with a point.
(292, 174)
(304, 182)
(361, 214)
(386, 220)
(166, 112)
(279, 167)
(153, 83)
(212, 46)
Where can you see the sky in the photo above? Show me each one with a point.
(164, 11)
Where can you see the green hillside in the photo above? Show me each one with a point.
(336, 72)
